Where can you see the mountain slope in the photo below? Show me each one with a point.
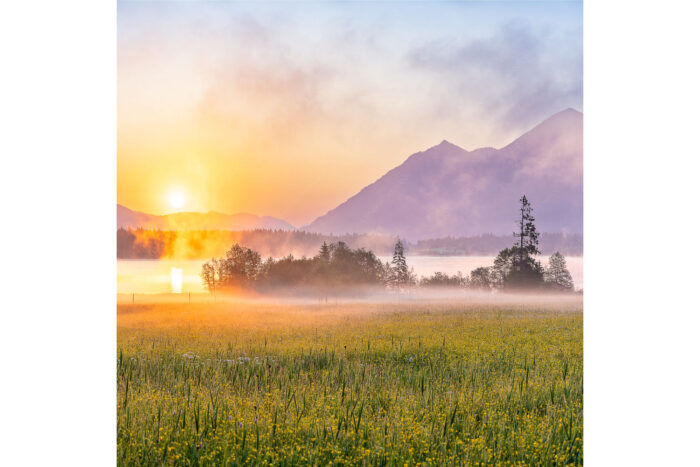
(447, 190)
(126, 218)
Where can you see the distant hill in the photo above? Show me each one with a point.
(448, 191)
(126, 218)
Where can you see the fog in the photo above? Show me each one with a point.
(163, 276)
(418, 297)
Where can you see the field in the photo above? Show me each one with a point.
(434, 383)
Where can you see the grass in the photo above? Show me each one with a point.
(366, 384)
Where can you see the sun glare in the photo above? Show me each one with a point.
(176, 280)
(177, 199)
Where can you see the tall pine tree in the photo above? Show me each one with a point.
(400, 275)
(325, 252)
(529, 238)
(527, 272)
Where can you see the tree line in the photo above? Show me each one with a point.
(338, 268)
(199, 244)
(335, 268)
(515, 268)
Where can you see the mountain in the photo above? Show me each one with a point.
(126, 218)
(448, 191)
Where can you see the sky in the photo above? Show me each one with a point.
(287, 109)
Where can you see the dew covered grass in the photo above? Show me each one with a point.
(365, 384)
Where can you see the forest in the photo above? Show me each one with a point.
(201, 244)
(340, 269)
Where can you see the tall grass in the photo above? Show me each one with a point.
(440, 384)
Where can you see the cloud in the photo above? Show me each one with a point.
(267, 79)
(320, 100)
(517, 77)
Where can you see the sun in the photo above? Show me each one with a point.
(176, 199)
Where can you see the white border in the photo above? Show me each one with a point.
(641, 107)
(57, 186)
(58, 191)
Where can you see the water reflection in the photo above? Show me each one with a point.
(178, 276)
(176, 280)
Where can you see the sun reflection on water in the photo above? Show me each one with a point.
(176, 280)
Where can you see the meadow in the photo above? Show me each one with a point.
(416, 383)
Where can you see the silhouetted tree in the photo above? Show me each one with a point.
(208, 276)
(528, 236)
(388, 274)
(480, 279)
(526, 271)
(325, 252)
(241, 266)
(401, 276)
(503, 266)
(343, 269)
(557, 275)
(441, 279)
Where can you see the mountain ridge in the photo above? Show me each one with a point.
(447, 190)
(211, 220)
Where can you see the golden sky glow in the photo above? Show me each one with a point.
(249, 107)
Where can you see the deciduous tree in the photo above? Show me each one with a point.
(557, 275)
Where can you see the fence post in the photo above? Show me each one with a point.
(132, 298)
